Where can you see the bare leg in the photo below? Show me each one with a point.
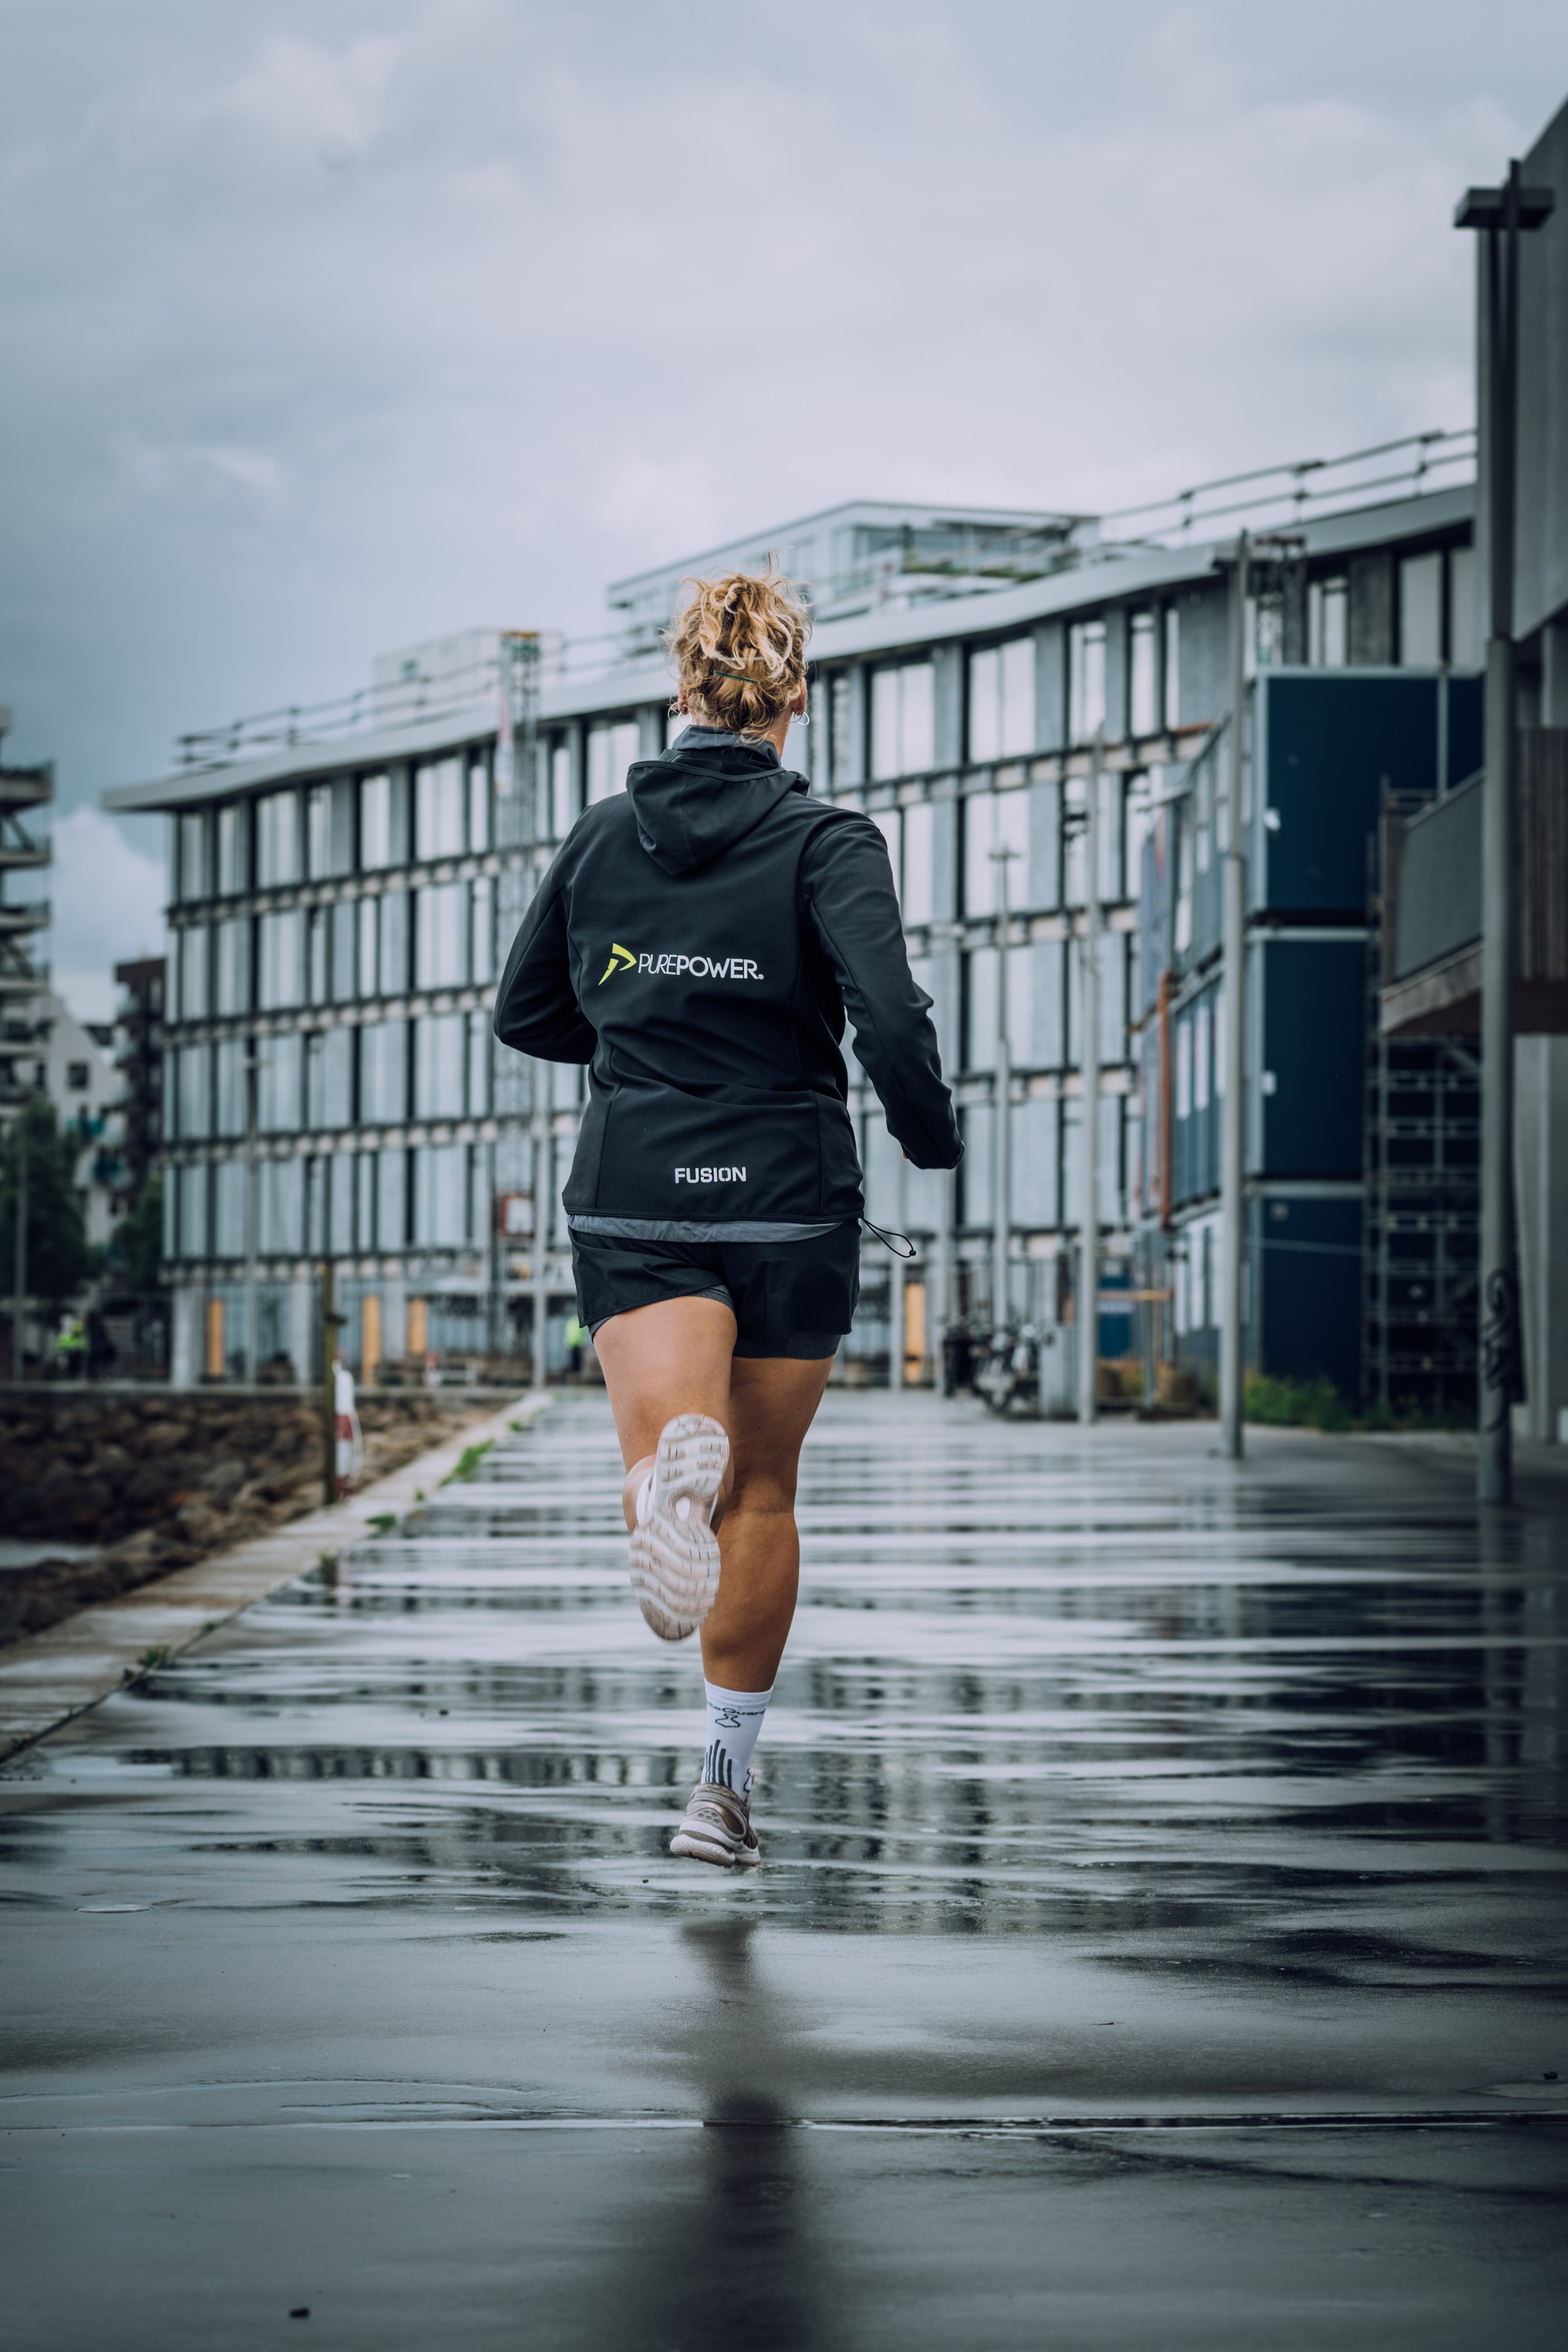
(773, 1400)
(673, 1357)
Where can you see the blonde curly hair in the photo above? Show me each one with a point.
(739, 649)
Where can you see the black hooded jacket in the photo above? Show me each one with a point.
(697, 941)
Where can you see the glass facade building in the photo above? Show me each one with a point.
(340, 908)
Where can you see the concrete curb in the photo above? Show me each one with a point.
(49, 1677)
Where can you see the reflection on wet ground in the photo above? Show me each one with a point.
(1163, 1893)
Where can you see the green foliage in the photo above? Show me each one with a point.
(469, 1463)
(59, 1256)
(138, 1239)
(1295, 1404)
(383, 1522)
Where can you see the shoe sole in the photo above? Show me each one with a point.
(697, 1849)
(675, 1562)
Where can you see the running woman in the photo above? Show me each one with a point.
(698, 942)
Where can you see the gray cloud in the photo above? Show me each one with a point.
(335, 325)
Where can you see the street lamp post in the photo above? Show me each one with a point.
(1503, 212)
(1002, 858)
(1089, 1230)
(252, 1212)
(1233, 1127)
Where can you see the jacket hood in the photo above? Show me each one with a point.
(703, 795)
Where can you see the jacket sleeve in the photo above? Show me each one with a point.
(536, 1005)
(846, 885)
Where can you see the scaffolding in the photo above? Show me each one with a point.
(1422, 1226)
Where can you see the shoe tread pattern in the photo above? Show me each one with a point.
(675, 1562)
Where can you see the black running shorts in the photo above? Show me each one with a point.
(789, 1298)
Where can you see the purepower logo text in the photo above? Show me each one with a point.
(670, 967)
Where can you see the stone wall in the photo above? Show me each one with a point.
(156, 1478)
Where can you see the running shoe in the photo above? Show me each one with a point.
(675, 1552)
(718, 1828)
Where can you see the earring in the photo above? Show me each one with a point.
(799, 718)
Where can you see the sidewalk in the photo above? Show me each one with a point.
(47, 1678)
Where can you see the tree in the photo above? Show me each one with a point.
(60, 1255)
(138, 1242)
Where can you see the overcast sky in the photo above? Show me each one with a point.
(334, 324)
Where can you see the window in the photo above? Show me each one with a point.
(441, 1196)
(232, 1117)
(1201, 1049)
(611, 750)
(233, 965)
(1173, 694)
(1086, 680)
(440, 949)
(319, 830)
(439, 809)
(234, 848)
(392, 1200)
(1143, 714)
(1185, 1067)
(980, 1008)
(192, 1213)
(341, 1213)
(329, 1078)
(920, 872)
(369, 946)
(843, 764)
(230, 1189)
(195, 1074)
(479, 805)
(904, 719)
(375, 846)
(1328, 622)
(280, 959)
(193, 979)
(1002, 700)
(995, 821)
(318, 938)
(562, 813)
(1421, 611)
(482, 931)
(278, 1084)
(77, 1077)
(281, 1184)
(479, 1035)
(439, 1057)
(277, 839)
(194, 856)
(383, 1073)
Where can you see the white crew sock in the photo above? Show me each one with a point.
(734, 1720)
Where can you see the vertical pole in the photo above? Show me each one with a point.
(895, 1294)
(1088, 1231)
(252, 1212)
(329, 1322)
(541, 1220)
(19, 1266)
(496, 1333)
(1233, 1133)
(1500, 1336)
(1003, 1207)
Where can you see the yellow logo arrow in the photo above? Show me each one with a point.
(621, 959)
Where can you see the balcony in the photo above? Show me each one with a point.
(1432, 904)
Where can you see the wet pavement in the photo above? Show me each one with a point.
(1159, 1942)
